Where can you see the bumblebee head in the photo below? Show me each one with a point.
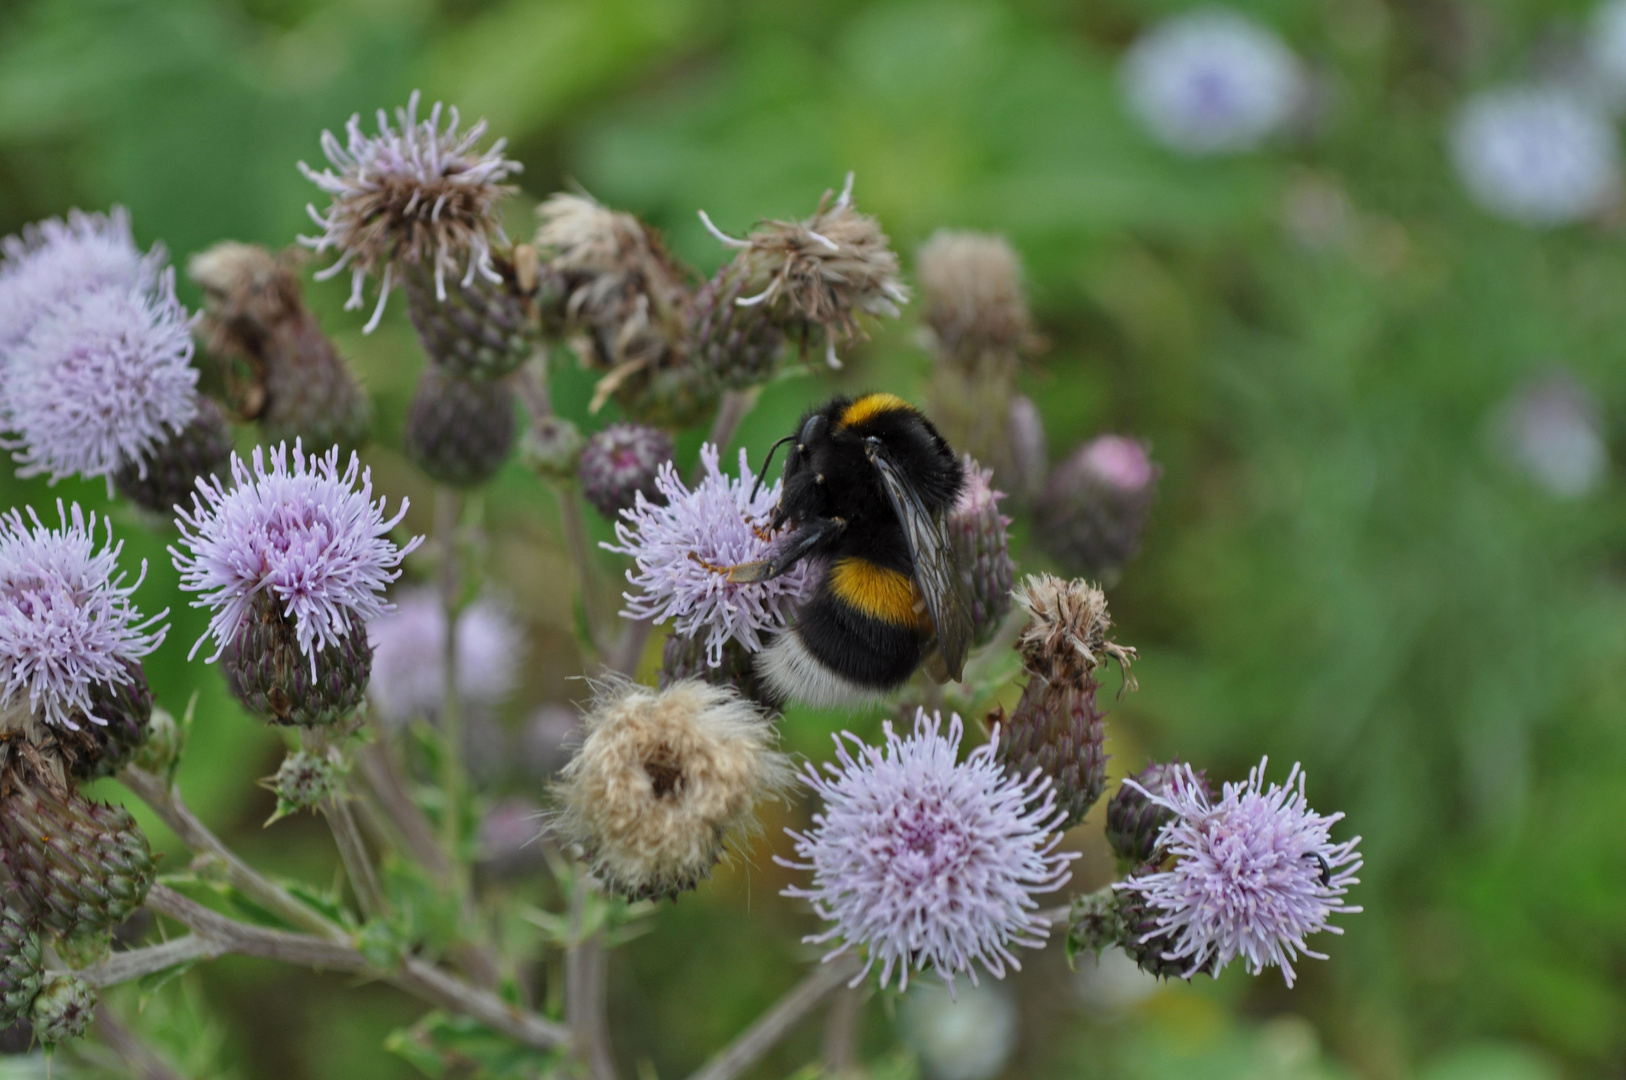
(802, 494)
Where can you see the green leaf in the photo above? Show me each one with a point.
(442, 1046)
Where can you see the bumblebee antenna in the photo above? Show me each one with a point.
(762, 472)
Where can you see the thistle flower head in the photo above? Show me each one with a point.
(977, 529)
(1094, 506)
(972, 287)
(298, 531)
(101, 380)
(663, 780)
(1065, 638)
(926, 861)
(66, 618)
(1536, 155)
(55, 260)
(418, 195)
(821, 272)
(684, 549)
(1254, 874)
(1211, 81)
(409, 655)
(620, 463)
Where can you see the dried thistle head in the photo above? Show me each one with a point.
(661, 782)
(975, 303)
(416, 196)
(1066, 635)
(247, 291)
(823, 272)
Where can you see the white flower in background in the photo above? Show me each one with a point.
(1111, 983)
(1552, 429)
(1211, 82)
(1606, 51)
(409, 655)
(969, 1036)
(1536, 155)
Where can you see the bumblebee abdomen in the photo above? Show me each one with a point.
(841, 651)
(873, 591)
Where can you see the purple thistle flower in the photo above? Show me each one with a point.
(66, 619)
(420, 196)
(300, 531)
(409, 655)
(100, 381)
(927, 861)
(683, 551)
(55, 260)
(1254, 875)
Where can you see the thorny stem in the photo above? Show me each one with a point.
(358, 863)
(585, 991)
(745, 1051)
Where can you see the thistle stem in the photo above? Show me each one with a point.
(731, 411)
(447, 508)
(585, 991)
(581, 553)
(381, 769)
(358, 864)
(141, 1060)
(746, 1050)
(841, 1028)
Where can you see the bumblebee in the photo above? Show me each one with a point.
(867, 485)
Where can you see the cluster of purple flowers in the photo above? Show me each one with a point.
(95, 350)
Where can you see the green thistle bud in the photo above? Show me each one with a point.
(1143, 941)
(80, 867)
(458, 430)
(685, 658)
(268, 673)
(738, 346)
(98, 750)
(1094, 923)
(21, 966)
(303, 781)
(482, 330)
(172, 470)
(977, 529)
(1134, 821)
(553, 448)
(63, 1010)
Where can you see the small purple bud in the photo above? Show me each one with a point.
(621, 463)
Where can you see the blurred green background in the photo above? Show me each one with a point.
(1340, 570)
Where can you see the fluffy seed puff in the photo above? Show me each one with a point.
(418, 195)
(663, 781)
(1254, 874)
(1065, 638)
(67, 622)
(926, 861)
(823, 272)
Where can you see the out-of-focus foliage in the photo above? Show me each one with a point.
(1317, 339)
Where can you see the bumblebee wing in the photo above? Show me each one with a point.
(937, 570)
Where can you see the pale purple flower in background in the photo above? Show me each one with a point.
(925, 861)
(1536, 155)
(409, 655)
(1254, 874)
(1211, 81)
(99, 381)
(683, 551)
(300, 531)
(969, 1035)
(55, 260)
(548, 739)
(416, 195)
(1118, 462)
(1606, 51)
(66, 617)
(1552, 429)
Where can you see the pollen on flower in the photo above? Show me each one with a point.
(416, 196)
(301, 532)
(1255, 873)
(67, 621)
(663, 780)
(682, 552)
(100, 381)
(926, 861)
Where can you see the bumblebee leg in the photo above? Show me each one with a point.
(803, 542)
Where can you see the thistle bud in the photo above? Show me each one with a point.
(80, 867)
(620, 463)
(684, 657)
(1094, 506)
(268, 672)
(1057, 726)
(480, 329)
(281, 368)
(552, 447)
(1147, 943)
(160, 750)
(302, 782)
(663, 781)
(21, 966)
(458, 430)
(1134, 820)
(124, 710)
(734, 343)
(977, 529)
(63, 1010)
(171, 471)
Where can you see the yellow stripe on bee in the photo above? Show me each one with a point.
(870, 406)
(875, 591)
